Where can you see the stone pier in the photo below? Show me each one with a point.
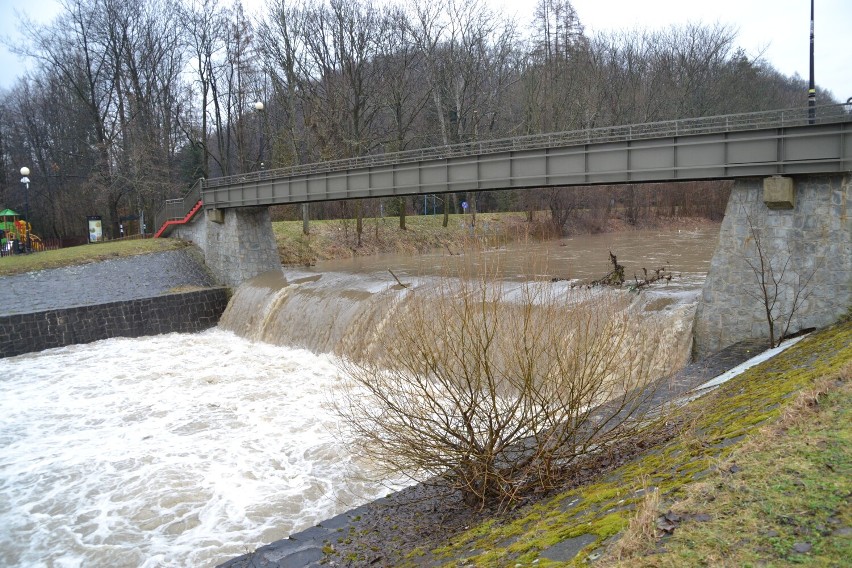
(800, 228)
(238, 244)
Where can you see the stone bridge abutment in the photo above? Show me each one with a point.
(785, 243)
(238, 243)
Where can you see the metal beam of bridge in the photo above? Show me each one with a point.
(782, 142)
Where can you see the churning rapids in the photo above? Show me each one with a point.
(186, 450)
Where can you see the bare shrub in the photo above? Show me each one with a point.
(781, 289)
(496, 387)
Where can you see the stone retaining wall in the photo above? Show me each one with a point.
(186, 312)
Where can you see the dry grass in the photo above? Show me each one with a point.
(778, 499)
(641, 533)
(794, 415)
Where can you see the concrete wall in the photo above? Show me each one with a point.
(813, 240)
(237, 246)
(186, 312)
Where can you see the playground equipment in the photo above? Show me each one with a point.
(16, 234)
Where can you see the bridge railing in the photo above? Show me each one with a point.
(680, 127)
(172, 209)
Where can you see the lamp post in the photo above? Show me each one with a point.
(258, 106)
(25, 171)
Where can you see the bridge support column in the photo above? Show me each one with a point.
(802, 232)
(238, 244)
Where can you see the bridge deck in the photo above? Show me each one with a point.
(756, 144)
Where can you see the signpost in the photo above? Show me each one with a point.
(96, 231)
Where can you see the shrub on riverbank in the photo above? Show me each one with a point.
(756, 472)
(759, 473)
(497, 389)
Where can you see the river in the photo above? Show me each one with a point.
(189, 449)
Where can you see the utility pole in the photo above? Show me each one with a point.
(811, 85)
(258, 106)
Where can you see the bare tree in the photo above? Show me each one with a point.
(467, 51)
(497, 389)
(553, 66)
(283, 50)
(781, 289)
(202, 22)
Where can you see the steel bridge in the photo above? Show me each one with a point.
(778, 142)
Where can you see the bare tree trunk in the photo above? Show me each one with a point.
(306, 214)
(359, 220)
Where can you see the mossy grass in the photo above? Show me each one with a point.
(779, 499)
(760, 500)
(95, 252)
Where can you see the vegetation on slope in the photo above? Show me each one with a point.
(758, 474)
(337, 238)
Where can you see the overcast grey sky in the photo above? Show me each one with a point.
(777, 28)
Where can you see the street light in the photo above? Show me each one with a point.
(258, 106)
(25, 171)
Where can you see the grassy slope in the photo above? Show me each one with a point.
(752, 480)
(337, 238)
(84, 254)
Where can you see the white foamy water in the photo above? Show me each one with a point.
(188, 450)
(173, 450)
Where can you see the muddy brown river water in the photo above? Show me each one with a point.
(186, 450)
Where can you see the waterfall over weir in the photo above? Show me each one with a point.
(306, 310)
(319, 308)
(335, 312)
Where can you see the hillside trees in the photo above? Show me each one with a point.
(114, 71)
(550, 81)
(202, 22)
(131, 103)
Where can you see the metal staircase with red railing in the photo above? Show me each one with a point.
(171, 222)
(179, 211)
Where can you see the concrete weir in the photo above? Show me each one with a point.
(785, 245)
(794, 234)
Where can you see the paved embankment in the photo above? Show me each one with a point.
(125, 297)
(114, 280)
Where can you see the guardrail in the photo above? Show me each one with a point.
(172, 209)
(826, 114)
